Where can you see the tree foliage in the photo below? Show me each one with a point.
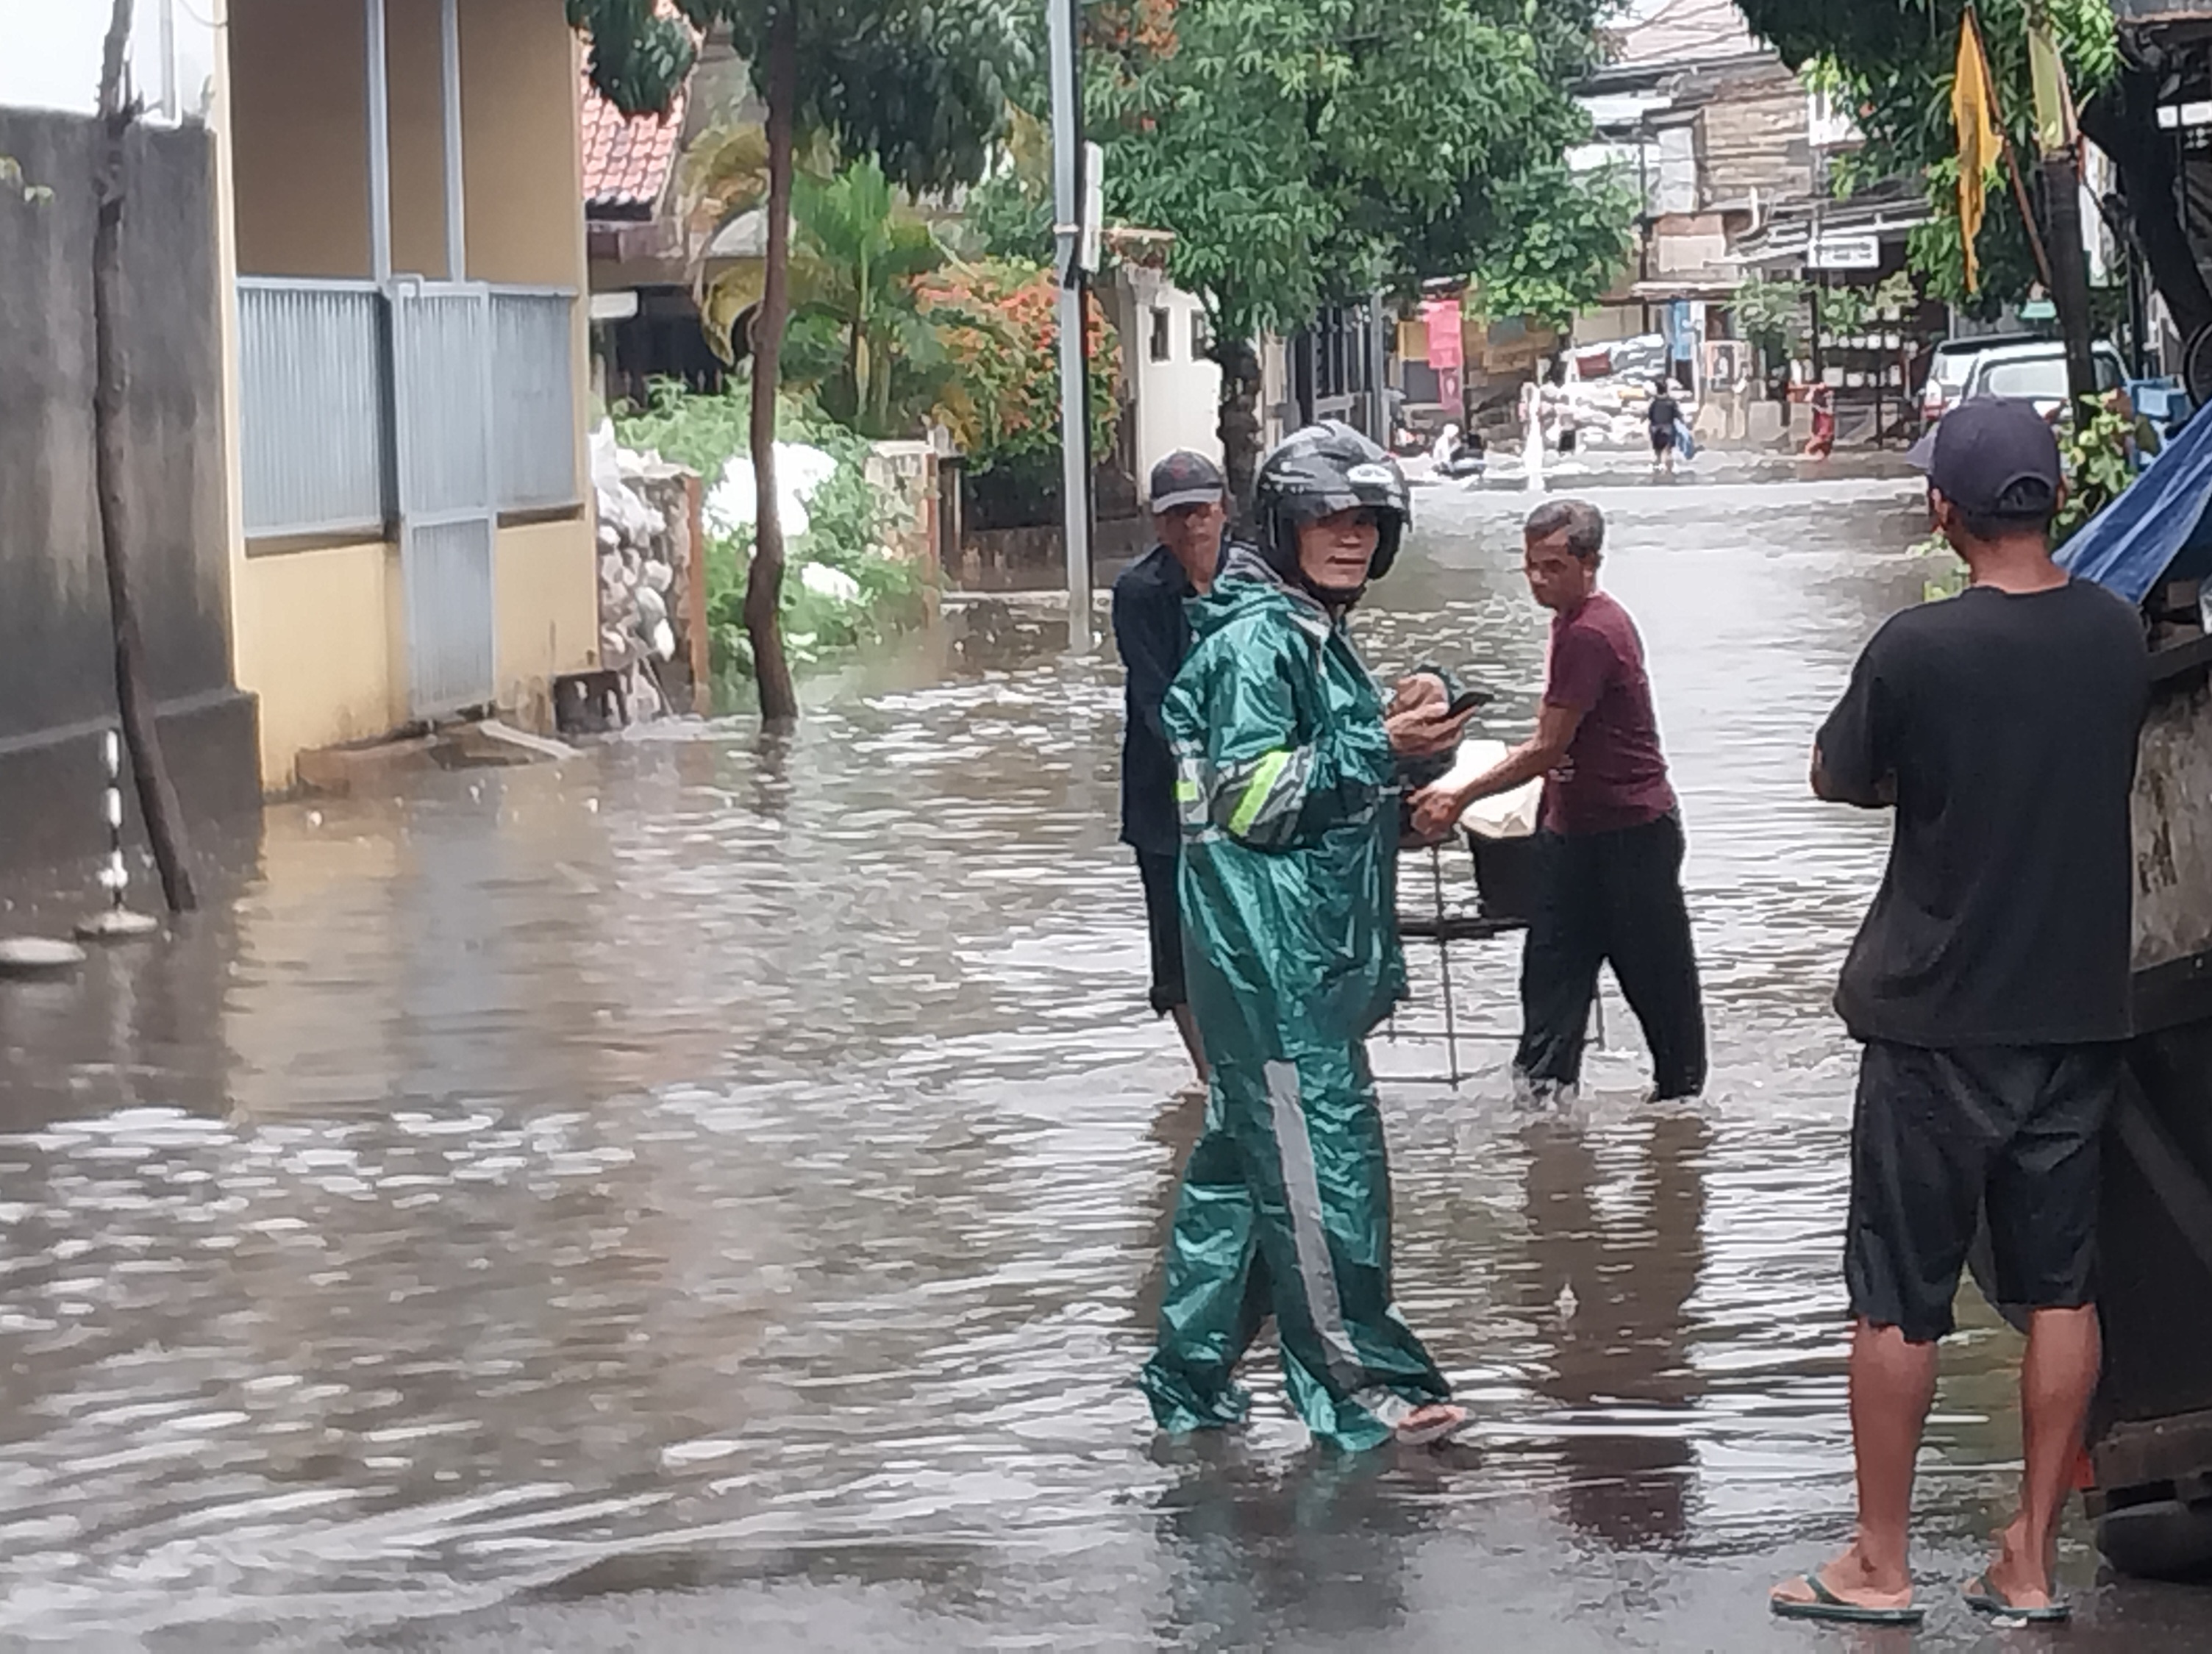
(922, 85)
(1309, 151)
(918, 85)
(1894, 60)
(857, 332)
(1305, 151)
(996, 323)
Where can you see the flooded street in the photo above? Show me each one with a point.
(717, 1186)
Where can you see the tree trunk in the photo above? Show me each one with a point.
(1239, 423)
(779, 702)
(134, 702)
(2122, 121)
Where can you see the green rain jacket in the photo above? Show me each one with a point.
(1286, 786)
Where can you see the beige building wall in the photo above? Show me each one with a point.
(300, 143)
(317, 639)
(319, 631)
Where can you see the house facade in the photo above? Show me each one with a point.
(406, 247)
(353, 275)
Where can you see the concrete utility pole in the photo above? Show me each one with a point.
(1069, 216)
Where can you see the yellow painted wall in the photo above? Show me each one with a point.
(524, 167)
(418, 134)
(548, 606)
(299, 137)
(315, 642)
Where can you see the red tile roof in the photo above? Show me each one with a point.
(627, 158)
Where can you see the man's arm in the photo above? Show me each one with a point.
(1436, 808)
(1829, 790)
(1853, 760)
(1146, 632)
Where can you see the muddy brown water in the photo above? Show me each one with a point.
(737, 1166)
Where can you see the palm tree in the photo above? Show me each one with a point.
(857, 329)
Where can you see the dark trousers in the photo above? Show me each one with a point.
(1611, 898)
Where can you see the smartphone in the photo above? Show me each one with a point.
(1467, 701)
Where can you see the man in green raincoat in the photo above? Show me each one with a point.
(1287, 788)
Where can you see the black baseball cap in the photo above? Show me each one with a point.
(1184, 478)
(1993, 456)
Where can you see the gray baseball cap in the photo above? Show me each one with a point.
(1184, 478)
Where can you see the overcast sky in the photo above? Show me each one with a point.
(50, 55)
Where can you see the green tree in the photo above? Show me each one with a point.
(857, 331)
(1310, 151)
(918, 85)
(1895, 58)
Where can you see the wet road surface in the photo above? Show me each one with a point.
(715, 1189)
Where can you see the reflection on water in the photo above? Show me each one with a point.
(743, 1163)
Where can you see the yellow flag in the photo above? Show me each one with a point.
(1974, 112)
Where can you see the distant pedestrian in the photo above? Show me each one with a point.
(1190, 503)
(1662, 416)
(1990, 988)
(1822, 443)
(1610, 850)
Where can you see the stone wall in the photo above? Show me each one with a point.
(56, 673)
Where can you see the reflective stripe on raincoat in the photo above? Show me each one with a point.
(1286, 787)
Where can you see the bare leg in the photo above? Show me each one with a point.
(2057, 1379)
(1187, 1026)
(1892, 1382)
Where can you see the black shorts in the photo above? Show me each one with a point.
(1938, 1137)
(1663, 439)
(1163, 919)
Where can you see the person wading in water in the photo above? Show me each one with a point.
(1287, 767)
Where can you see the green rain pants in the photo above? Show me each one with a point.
(1286, 1209)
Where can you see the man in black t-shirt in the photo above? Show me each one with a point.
(1989, 986)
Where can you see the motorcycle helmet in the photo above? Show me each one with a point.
(1318, 472)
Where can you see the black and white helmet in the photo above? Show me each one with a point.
(1316, 472)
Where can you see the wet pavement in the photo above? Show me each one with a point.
(714, 1188)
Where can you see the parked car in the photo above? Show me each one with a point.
(2009, 365)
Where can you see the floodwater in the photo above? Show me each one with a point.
(715, 1189)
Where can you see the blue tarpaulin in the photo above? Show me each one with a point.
(2156, 526)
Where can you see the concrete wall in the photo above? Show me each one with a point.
(56, 665)
(2173, 828)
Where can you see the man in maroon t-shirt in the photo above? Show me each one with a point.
(1610, 848)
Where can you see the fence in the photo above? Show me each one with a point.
(314, 442)
(319, 405)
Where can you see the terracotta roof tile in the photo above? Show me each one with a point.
(627, 158)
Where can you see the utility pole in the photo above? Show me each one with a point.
(1069, 216)
(2058, 140)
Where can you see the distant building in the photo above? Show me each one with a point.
(1729, 152)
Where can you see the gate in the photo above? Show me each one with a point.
(442, 346)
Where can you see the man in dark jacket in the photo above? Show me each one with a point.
(1189, 510)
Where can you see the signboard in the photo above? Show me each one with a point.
(1446, 346)
(1844, 252)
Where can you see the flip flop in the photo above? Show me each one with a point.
(1826, 1605)
(1982, 1596)
(1437, 1432)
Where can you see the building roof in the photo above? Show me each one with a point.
(627, 158)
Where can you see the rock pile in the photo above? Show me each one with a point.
(645, 553)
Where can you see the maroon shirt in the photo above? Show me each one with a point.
(1615, 775)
